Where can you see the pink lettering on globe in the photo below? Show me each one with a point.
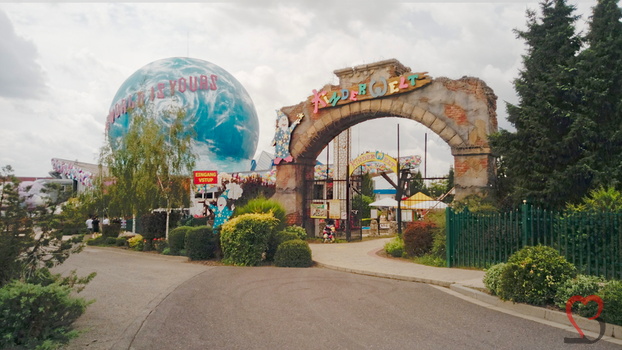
(181, 85)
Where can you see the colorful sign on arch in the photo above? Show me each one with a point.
(379, 157)
(374, 88)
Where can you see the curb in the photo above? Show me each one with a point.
(613, 333)
(611, 330)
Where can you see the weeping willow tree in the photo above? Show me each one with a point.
(149, 167)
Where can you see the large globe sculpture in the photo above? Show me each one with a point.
(217, 107)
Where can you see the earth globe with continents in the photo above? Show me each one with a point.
(216, 105)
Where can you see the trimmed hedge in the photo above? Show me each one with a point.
(177, 239)
(111, 230)
(32, 315)
(297, 230)
(244, 239)
(533, 275)
(492, 278)
(612, 302)
(201, 243)
(581, 285)
(293, 253)
(276, 240)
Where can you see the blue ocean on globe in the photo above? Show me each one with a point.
(217, 106)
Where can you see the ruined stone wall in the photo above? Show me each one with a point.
(462, 112)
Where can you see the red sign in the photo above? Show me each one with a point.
(205, 177)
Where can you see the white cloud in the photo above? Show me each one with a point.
(81, 53)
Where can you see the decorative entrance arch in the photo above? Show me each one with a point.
(462, 112)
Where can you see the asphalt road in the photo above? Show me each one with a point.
(155, 302)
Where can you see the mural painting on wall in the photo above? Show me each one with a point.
(283, 136)
(224, 204)
(374, 88)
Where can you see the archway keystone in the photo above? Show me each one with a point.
(461, 112)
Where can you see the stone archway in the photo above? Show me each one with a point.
(462, 112)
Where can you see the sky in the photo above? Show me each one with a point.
(62, 63)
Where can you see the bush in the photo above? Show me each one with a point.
(492, 278)
(99, 240)
(264, 206)
(153, 225)
(160, 244)
(418, 238)
(244, 239)
(110, 241)
(111, 230)
(121, 241)
(136, 242)
(612, 302)
(276, 239)
(395, 247)
(35, 315)
(293, 253)
(201, 243)
(533, 275)
(177, 239)
(299, 231)
(581, 285)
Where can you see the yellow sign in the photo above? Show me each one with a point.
(319, 211)
(379, 157)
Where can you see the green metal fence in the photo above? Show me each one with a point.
(591, 241)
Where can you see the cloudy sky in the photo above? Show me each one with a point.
(62, 63)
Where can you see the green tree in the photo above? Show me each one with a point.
(149, 166)
(31, 239)
(599, 72)
(417, 185)
(367, 185)
(546, 157)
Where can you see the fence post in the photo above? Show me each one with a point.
(449, 242)
(525, 222)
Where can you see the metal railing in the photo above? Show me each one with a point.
(592, 241)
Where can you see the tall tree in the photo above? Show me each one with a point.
(599, 72)
(31, 238)
(545, 157)
(150, 165)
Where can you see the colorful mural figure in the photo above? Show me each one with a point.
(222, 210)
(283, 136)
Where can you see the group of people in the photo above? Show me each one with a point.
(92, 223)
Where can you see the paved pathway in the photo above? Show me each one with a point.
(361, 258)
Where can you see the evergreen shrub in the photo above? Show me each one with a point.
(293, 253)
(121, 241)
(298, 230)
(177, 239)
(262, 205)
(533, 275)
(612, 302)
(111, 230)
(395, 247)
(201, 243)
(110, 241)
(492, 278)
(36, 316)
(418, 238)
(581, 285)
(276, 239)
(135, 242)
(99, 240)
(244, 239)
